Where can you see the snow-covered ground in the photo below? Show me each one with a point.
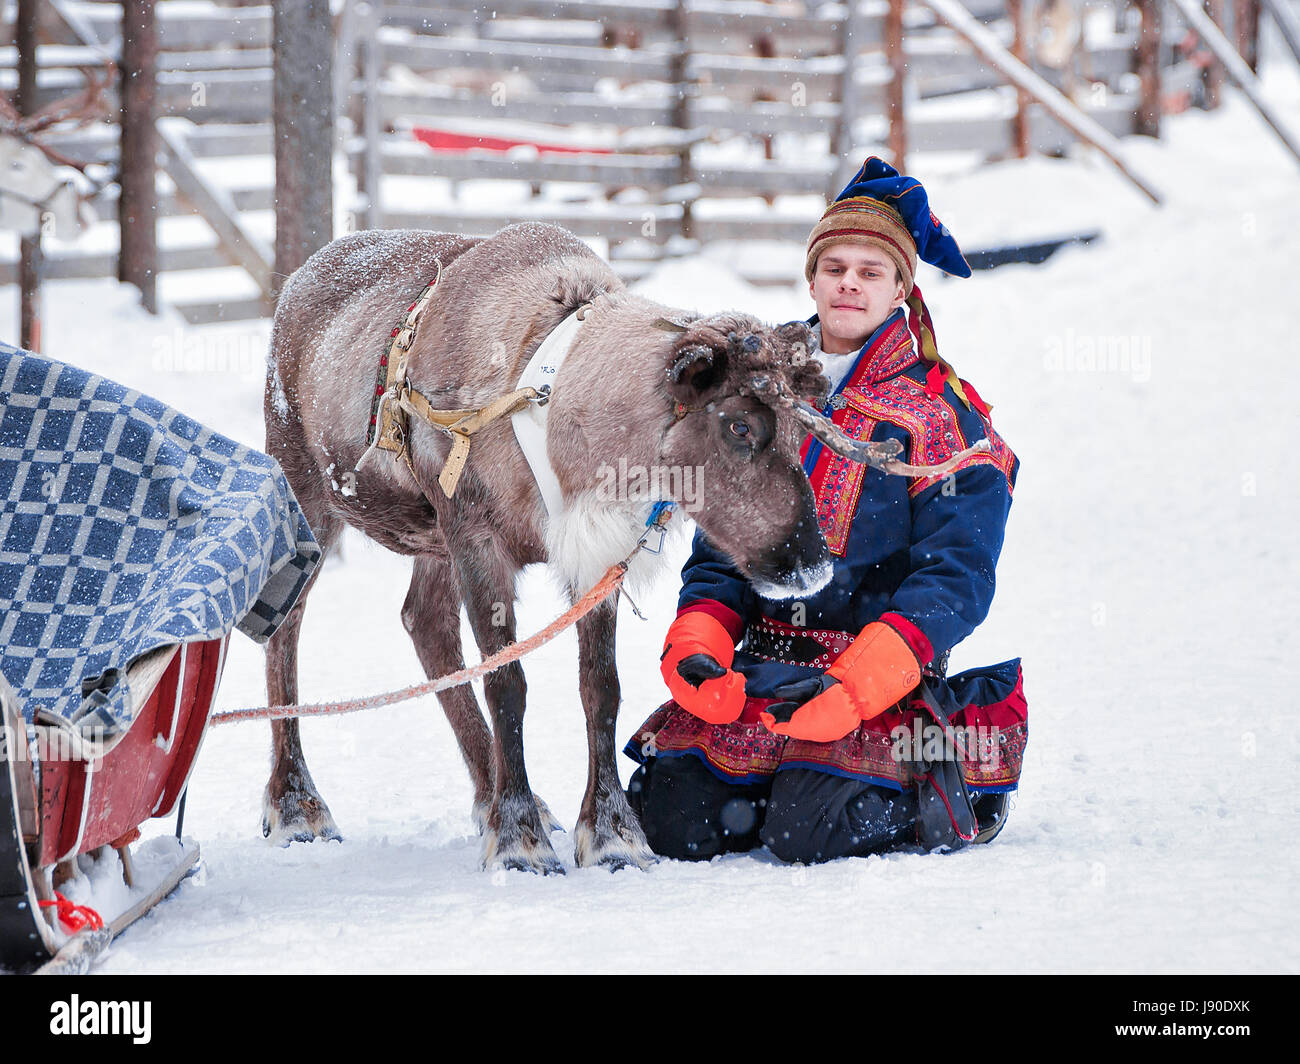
(1148, 580)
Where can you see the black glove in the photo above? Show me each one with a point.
(697, 668)
(796, 693)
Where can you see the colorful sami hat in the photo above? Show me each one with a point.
(882, 208)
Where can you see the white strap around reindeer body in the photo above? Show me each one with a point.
(530, 422)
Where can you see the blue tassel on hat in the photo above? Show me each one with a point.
(934, 244)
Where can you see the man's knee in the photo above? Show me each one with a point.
(813, 816)
(689, 814)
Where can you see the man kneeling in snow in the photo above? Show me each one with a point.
(820, 736)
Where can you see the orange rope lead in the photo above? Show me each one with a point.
(607, 585)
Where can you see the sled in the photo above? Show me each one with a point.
(133, 542)
(63, 811)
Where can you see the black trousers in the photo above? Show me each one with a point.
(690, 814)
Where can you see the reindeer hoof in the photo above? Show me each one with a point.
(297, 817)
(617, 862)
(544, 866)
(624, 847)
(522, 860)
(520, 848)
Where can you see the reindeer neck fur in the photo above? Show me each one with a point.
(608, 420)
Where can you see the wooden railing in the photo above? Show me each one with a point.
(684, 107)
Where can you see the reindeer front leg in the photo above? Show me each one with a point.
(608, 832)
(516, 834)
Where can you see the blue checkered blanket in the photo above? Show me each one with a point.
(127, 526)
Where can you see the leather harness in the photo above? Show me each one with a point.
(396, 400)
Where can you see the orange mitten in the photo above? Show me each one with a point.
(874, 673)
(719, 698)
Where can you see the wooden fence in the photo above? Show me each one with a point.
(688, 104)
(656, 125)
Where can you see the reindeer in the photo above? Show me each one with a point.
(35, 186)
(644, 383)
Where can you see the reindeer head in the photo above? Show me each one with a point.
(739, 389)
(34, 189)
(35, 186)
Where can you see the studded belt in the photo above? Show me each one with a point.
(772, 640)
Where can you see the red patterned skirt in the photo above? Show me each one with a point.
(990, 731)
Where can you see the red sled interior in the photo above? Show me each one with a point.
(87, 804)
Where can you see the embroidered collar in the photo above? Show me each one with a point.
(887, 352)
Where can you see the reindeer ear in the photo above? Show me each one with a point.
(694, 369)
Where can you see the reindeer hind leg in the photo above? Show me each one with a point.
(431, 616)
(292, 808)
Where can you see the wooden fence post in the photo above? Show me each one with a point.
(303, 106)
(897, 109)
(345, 69)
(1245, 23)
(137, 206)
(1235, 68)
(682, 118)
(1148, 69)
(953, 13)
(30, 257)
(372, 131)
(1020, 49)
(1212, 75)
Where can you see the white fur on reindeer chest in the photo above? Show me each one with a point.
(592, 532)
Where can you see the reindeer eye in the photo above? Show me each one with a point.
(739, 428)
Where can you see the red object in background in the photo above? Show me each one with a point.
(445, 140)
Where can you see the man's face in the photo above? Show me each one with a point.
(855, 287)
